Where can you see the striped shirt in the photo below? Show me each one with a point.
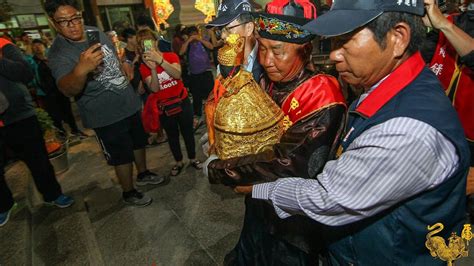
(386, 164)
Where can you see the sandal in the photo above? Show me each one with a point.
(176, 170)
(196, 164)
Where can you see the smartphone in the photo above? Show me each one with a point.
(442, 5)
(93, 37)
(147, 45)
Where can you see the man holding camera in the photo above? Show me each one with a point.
(106, 100)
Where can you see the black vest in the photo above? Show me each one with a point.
(397, 236)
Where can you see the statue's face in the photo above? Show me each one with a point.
(282, 61)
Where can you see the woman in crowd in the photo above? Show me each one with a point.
(179, 38)
(161, 71)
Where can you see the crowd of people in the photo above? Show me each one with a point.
(349, 182)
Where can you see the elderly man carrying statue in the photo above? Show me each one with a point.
(292, 130)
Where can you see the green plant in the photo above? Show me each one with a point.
(44, 119)
(54, 144)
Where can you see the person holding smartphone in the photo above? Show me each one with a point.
(91, 72)
(161, 71)
(201, 81)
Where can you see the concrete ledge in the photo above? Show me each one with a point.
(64, 236)
(15, 244)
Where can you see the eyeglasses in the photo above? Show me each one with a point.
(66, 22)
(227, 28)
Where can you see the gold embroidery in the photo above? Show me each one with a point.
(287, 122)
(294, 104)
(456, 248)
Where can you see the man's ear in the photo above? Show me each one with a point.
(249, 28)
(52, 24)
(400, 37)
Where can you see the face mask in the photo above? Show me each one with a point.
(231, 54)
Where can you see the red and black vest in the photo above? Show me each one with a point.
(397, 236)
(457, 81)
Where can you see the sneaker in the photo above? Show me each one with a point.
(149, 178)
(62, 201)
(5, 216)
(136, 198)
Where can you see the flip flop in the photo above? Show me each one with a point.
(196, 164)
(177, 170)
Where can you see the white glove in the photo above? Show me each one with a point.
(207, 162)
(204, 141)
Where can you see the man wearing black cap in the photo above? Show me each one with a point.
(314, 110)
(233, 16)
(404, 158)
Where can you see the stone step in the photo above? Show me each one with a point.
(64, 236)
(16, 238)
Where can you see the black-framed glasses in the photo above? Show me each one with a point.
(66, 22)
(228, 28)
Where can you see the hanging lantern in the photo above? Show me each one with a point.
(161, 10)
(207, 7)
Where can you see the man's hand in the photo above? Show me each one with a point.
(218, 173)
(149, 63)
(243, 189)
(90, 59)
(434, 17)
(141, 88)
(193, 38)
(154, 56)
(128, 70)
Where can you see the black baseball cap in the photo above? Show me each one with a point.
(348, 15)
(229, 10)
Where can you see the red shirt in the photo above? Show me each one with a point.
(169, 86)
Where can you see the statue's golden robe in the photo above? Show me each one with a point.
(241, 118)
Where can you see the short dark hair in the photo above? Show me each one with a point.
(191, 29)
(51, 6)
(38, 41)
(144, 20)
(127, 33)
(385, 22)
(177, 29)
(244, 18)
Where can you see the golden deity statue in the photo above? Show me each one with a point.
(241, 118)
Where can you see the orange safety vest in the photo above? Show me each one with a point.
(3, 42)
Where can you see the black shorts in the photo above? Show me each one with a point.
(120, 139)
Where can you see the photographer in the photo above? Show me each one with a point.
(201, 80)
(161, 71)
(106, 100)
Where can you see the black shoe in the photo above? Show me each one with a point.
(149, 178)
(136, 198)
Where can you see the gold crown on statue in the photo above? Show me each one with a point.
(232, 53)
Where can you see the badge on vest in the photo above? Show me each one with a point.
(348, 134)
(457, 247)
